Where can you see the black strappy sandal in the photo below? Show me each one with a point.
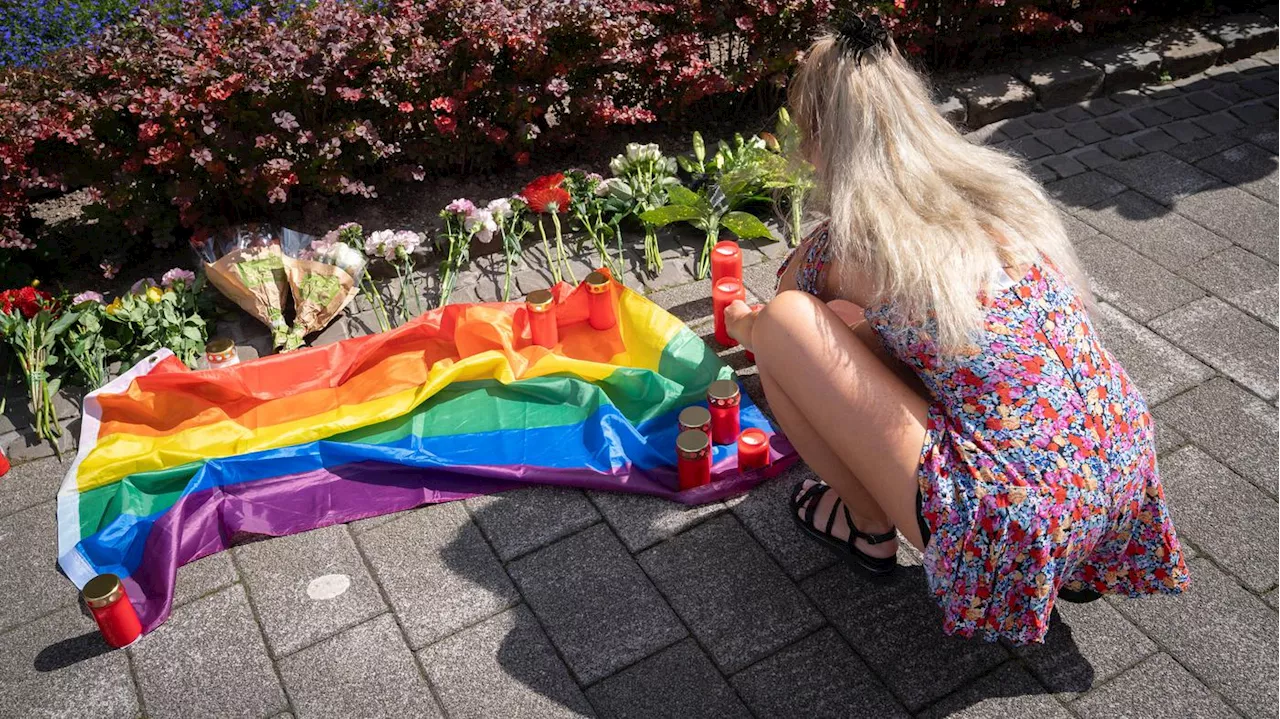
(863, 563)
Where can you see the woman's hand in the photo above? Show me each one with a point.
(739, 319)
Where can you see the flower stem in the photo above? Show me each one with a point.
(555, 268)
(795, 217)
(555, 219)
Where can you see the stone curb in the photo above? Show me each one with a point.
(1069, 79)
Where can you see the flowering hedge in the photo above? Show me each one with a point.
(210, 119)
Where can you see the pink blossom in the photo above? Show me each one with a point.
(558, 86)
(285, 120)
(177, 274)
(88, 296)
(461, 207)
(349, 94)
(142, 285)
(201, 155)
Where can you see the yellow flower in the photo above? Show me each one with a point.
(155, 294)
(115, 306)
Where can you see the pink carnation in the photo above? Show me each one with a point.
(178, 274)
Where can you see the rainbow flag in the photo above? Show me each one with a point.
(175, 465)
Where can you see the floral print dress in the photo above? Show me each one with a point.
(1038, 470)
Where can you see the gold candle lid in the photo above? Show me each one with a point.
(693, 441)
(597, 282)
(102, 590)
(539, 300)
(723, 389)
(218, 345)
(695, 417)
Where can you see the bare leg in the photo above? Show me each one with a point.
(857, 422)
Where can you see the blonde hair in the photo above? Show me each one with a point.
(915, 208)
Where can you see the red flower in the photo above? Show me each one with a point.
(522, 158)
(498, 135)
(547, 194)
(446, 125)
(405, 107)
(28, 300)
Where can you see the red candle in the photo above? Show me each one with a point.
(600, 301)
(693, 458)
(753, 449)
(542, 318)
(723, 397)
(726, 261)
(696, 418)
(750, 355)
(723, 294)
(112, 610)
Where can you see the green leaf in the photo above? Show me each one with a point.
(699, 147)
(192, 333)
(671, 213)
(681, 195)
(63, 323)
(745, 225)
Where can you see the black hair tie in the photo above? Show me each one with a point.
(857, 35)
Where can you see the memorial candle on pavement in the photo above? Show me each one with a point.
(695, 418)
(724, 397)
(751, 357)
(112, 610)
(723, 294)
(600, 301)
(542, 318)
(753, 449)
(726, 261)
(693, 458)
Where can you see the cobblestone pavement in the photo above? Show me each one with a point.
(544, 603)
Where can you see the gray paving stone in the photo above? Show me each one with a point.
(1125, 66)
(1058, 140)
(1007, 692)
(1062, 80)
(1270, 598)
(995, 97)
(642, 521)
(307, 586)
(1267, 139)
(1101, 106)
(1088, 132)
(1184, 51)
(208, 659)
(1219, 631)
(952, 107)
(1043, 120)
(1234, 93)
(1013, 128)
(598, 607)
(1232, 425)
(1230, 341)
(504, 666)
(1202, 148)
(522, 520)
(1028, 148)
(1242, 35)
(437, 571)
(1246, 166)
(1139, 287)
(1262, 86)
(1041, 172)
(1161, 177)
(766, 515)
(1184, 131)
(1237, 216)
(204, 576)
(1087, 645)
(1159, 369)
(335, 332)
(1255, 113)
(24, 447)
(59, 666)
(1168, 439)
(728, 591)
(1181, 694)
(1150, 228)
(1179, 109)
(32, 483)
(1162, 91)
(815, 678)
(1219, 123)
(690, 302)
(1222, 515)
(1074, 113)
(897, 626)
(1207, 101)
(1083, 190)
(677, 682)
(1241, 278)
(1150, 116)
(1119, 124)
(1064, 166)
(366, 671)
(1155, 140)
(361, 526)
(1093, 158)
(30, 581)
(1120, 148)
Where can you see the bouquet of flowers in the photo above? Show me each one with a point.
(324, 275)
(167, 314)
(85, 342)
(246, 264)
(32, 321)
(641, 177)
